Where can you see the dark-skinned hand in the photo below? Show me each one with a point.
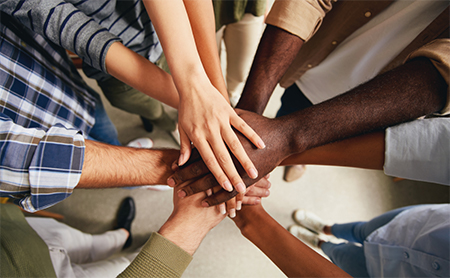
(265, 160)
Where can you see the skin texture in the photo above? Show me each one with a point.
(270, 63)
(198, 78)
(403, 94)
(293, 257)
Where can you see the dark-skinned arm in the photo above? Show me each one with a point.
(270, 63)
(291, 255)
(403, 94)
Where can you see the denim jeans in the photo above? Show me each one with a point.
(350, 256)
(103, 130)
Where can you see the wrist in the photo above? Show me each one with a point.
(185, 235)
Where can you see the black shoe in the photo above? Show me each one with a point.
(148, 125)
(125, 217)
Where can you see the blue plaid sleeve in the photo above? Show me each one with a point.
(39, 168)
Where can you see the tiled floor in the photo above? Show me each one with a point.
(334, 193)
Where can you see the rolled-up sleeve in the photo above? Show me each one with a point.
(438, 53)
(419, 150)
(39, 168)
(301, 18)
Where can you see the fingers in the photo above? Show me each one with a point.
(199, 185)
(237, 149)
(185, 147)
(190, 171)
(214, 162)
(219, 197)
(239, 124)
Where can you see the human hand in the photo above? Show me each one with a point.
(207, 120)
(271, 130)
(190, 221)
(253, 196)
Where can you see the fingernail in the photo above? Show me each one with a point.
(238, 205)
(222, 209)
(171, 182)
(240, 187)
(257, 201)
(181, 159)
(261, 144)
(232, 213)
(267, 193)
(181, 194)
(253, 173)
(205, 204)
(227, 186)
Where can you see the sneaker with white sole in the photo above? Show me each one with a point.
(308, 220)
(304, 235)
(143, 143)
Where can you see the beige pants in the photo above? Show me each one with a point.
(241, 41)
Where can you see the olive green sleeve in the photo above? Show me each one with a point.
(159, 257)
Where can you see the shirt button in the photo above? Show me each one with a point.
(406, 255)
(334, 42)
(367, 14)
(23, 44)
(436, 266)
(309, 66)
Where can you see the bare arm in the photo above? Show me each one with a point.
(406, 93)
(113, 166)
(141, 74)
(205, 116)
(293, 257)
(270, 63)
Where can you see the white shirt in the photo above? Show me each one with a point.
(362, 55)
(416, 243)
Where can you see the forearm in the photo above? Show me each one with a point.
(201, 17)
(270, 63)
(169, 18)
(364, 151)
(112, 166)
(141, 74)
(406, 93)
(293, 257)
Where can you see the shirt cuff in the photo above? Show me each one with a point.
(437, 51)
(159, 257)
(301, 18)
(418, 150)
(55, 168)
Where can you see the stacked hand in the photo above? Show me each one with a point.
(265, 160)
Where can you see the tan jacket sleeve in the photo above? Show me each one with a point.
(438, 52)
(299, 17)
(159, 257)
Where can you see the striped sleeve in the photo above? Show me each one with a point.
(39, 168)
(64, 25)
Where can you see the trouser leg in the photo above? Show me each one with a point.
(241, 42)
(293, 100)
(347, 256)
(358, 231)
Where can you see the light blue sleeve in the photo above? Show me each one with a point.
(419, 150)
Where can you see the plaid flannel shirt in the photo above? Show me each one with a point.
(45, 108)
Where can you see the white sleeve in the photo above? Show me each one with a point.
(419, 150)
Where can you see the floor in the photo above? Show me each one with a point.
(336, 194)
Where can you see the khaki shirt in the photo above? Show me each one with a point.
(324, 24)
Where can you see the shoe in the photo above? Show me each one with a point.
(143, 143)
(125, 217)
(294, 172)
(304, 235)
(148, 126)
(308, 220)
